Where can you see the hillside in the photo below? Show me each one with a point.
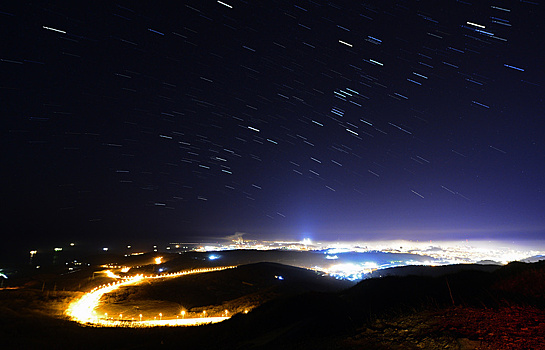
(235, 290)
(432, 271)
(503, 309)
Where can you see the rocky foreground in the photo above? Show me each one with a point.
(464, 328)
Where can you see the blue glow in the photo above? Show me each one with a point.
(337, 250)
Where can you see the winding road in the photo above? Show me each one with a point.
(83, 309)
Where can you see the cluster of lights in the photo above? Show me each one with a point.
(351, 272)
(110, 274)
(438, 252)
(112, 266)
(240, 244)
(136, 253)
(83, 310)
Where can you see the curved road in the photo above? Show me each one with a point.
(82, 310)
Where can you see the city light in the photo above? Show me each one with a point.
(346, 254)
(351, 271)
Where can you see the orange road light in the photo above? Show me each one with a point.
(83, 309)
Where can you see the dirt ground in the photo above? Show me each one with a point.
(464, 328)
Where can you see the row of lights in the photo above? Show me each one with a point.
(182, 313)
(105, 249)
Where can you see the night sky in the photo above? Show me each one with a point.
(193, 120)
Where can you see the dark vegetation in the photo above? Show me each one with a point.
(432, 271)
(468, 309)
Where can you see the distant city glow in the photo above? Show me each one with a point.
(435, 253)
(350, 271)
(338, 250)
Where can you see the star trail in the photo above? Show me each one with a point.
(330, 120)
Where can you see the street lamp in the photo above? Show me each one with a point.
(160, 316)
(140, 317)
(183, 313)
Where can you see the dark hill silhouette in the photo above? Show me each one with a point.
(432, 271)
(319, 320)
(236, 289)
(503, 309)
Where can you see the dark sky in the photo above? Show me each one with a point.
(340, 120)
